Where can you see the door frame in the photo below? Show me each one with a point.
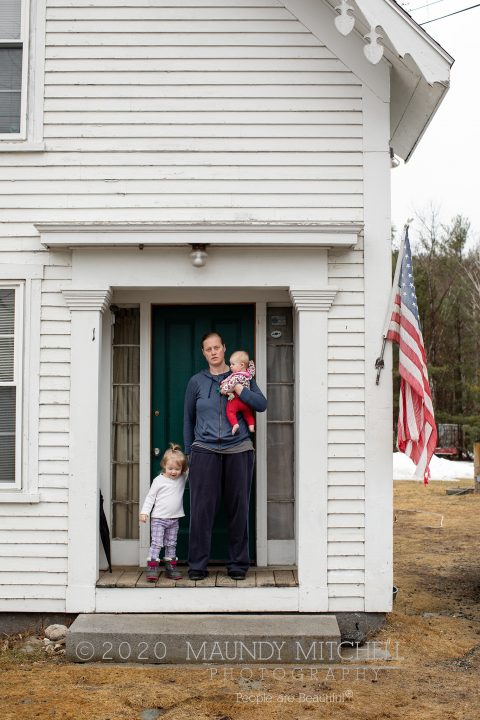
(134, 552)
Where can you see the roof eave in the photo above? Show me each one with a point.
(420, 67)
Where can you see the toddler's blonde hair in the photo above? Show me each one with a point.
(175, 453)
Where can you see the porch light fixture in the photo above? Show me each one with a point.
(199, 255)
(394, 161)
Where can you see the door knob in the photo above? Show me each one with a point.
(156, 452)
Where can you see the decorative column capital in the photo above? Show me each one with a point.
(97, 300)
(312, 300)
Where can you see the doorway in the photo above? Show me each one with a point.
(176, 356)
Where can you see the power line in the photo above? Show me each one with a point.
(450, 14)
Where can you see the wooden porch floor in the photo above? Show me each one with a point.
(128, 577)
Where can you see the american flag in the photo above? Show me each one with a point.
(417, 432)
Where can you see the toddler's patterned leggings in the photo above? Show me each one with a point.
(164, 534)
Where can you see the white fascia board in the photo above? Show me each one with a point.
(406, 37)
(84, 235)
(420, 70)
(416, 117)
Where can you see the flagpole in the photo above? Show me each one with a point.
(379, 362)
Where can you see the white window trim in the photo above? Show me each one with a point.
(26, 374)
(18, 288)
(32, 37)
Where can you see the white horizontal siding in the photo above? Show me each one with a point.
(54, 495)
(283, 159)
(41, 578)
(346, 492)
(345, 577)
(54, 383)
(346, 433)
(342, 562)
(346, 478)
(189, 111)
(35, 564)
(123, 171)
(218, 12)
(53, 467)
(165, 3)
(22, 591)
(42, 551)
(346, 590)
(54, 425)
(346, 534)
(21, 604)
(223, 110)
(51, 479)
(346, 549)
(340, 422)
(33, 537)
(29, 535)
(34, 511)
(346, 604)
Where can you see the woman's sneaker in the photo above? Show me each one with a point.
(152, 570)
(171, 571)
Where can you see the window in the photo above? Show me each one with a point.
(12, 46)
(280, 424)
(10, 385)
(22, 64)
(125, 423)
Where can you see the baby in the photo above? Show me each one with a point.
(166, 499)
(243, 370)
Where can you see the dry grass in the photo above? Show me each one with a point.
(436, 624)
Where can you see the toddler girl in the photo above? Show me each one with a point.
(166, 498)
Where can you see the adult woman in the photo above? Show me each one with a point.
(218, 461)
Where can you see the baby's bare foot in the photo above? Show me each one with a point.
(251, 428)
(234, 429)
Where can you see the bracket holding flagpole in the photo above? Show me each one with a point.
(380, 362)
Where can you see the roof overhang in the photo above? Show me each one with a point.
(420, 69)
(419, 66)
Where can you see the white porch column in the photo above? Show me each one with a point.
(86, 307)
(311, 418)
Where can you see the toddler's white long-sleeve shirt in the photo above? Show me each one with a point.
(165, 497)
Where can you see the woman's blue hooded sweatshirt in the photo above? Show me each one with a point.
(204, 417)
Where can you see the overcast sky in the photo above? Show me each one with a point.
(444, 169)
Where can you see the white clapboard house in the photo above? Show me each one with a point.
(134, 133)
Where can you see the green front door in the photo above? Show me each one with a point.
(176, 356)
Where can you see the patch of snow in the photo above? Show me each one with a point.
(440, 469)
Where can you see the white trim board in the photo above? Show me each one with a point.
(88, 235)
(197, 599)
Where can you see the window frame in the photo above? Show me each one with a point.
(28, 280)
(17, 382)
(32, 41)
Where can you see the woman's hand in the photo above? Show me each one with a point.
(143, 517)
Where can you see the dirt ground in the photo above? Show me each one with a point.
(433, 675)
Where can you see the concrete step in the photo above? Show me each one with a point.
(195, 638)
